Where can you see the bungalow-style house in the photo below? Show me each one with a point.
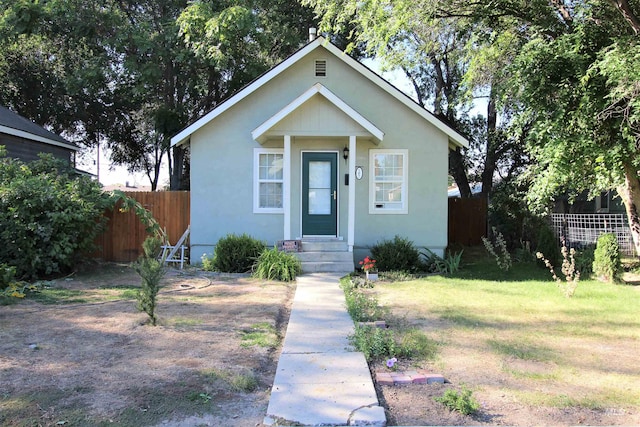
(24, 139)
(321, 151)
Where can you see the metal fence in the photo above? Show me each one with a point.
(579, 230)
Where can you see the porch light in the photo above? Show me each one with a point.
(345, 153)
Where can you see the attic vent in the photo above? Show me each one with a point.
(321, 68)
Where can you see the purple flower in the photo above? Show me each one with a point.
(391, 362)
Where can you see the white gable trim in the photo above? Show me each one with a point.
(260, 133)
(454, 137)
(34, 137)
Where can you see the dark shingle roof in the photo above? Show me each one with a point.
(15, 121)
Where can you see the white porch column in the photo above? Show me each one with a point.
(286, 190)
(351, 223)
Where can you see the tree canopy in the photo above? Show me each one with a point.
(130, 73)
(562, 78)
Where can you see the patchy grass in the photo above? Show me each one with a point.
(514, 336)
(79, 352)
(261, 334)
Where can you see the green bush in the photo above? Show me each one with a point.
(414, 344)
(547, 244)
(462, 402)
(151, 271)
(584, 261)
(273, 264)
(375, 343)
(399, 254)
(49, 216)
(606, 259)
(362, 307)
(7, 276)
(236, 254)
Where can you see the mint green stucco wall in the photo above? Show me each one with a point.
(222, 156)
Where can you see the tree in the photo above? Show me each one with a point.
(125, 72)
(434, 52)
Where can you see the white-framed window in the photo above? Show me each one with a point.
(388, 181)
(268, 178)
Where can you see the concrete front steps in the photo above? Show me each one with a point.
(325, 256)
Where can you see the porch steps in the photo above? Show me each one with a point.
(326, 256)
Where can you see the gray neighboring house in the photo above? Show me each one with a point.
(321, 151)
(24, 139)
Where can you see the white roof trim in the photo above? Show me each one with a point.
(260, 133)
(454, 136)
(34, 137)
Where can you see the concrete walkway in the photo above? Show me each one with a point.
(320, 380)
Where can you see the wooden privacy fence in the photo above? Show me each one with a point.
(122, 241)
(467, 221)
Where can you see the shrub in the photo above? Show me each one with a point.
(414, 344)
(236, 254)
(462, 402)
(547, 244)
(375, 343)
(606, 258)
(584, 260)
(398, 254)
(49, 216)
(361, 307)
(273, 264)
(151, 271)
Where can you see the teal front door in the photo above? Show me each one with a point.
(319, 194)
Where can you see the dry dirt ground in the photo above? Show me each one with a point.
(84, 355)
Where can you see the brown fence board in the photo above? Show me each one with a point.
(122, 241)
(467, 221)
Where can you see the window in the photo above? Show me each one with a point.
(321, 67)
(268, 181)
(388, 181)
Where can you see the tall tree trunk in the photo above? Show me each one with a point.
(458, 170)
(630, 194)
(177, 171)
(491, 155)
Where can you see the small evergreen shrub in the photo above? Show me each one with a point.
(462, 402)
(151, 271)
(547, 244)
(236, 254)
(584, 260)
(273, 264)
(606, 258)
(399, 254)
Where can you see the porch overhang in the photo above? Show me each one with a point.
(269, 129)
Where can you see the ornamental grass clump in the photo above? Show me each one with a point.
(273, 264)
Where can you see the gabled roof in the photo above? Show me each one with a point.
(16, 125)
(455, 137)
(260, 133)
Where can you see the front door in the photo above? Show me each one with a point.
(319, 194)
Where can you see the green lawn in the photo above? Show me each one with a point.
(529, 341)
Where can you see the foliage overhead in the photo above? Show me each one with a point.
(130, 74)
